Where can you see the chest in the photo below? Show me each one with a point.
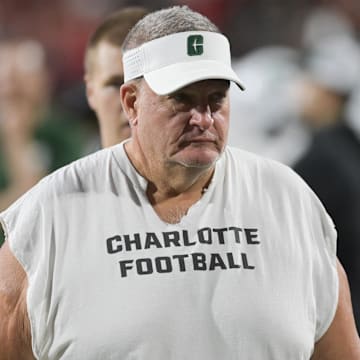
(219, 284)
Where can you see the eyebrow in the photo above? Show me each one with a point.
(114, 79)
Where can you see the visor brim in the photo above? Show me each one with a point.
(171, 78)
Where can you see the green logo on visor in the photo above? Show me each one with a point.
(195, 45)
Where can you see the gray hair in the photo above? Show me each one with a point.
(166, 22)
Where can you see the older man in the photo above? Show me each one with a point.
(172, 245)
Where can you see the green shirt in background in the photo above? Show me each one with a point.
(62, 140)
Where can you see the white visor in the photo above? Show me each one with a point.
(174, 61)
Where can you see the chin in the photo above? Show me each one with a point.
(203, 160)
(198, 165)
(198, 156)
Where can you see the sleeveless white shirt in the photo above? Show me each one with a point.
(249, 273)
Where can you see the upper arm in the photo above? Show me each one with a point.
(341, 340)
(15, 338)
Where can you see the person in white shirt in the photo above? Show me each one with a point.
(172, 245)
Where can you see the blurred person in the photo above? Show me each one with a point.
(24, 89)
(104, 73)
(34, 137)
(331, 164)
(331, 67)
(300, 89)
(274, 129)
(178, 245)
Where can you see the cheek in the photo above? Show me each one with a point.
(109, 100)
(150, 114)
(154, 123)
(221, 124)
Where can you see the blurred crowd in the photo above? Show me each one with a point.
(298, 59)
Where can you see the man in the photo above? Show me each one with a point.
(37, 135)
(104, 73)
(331, 162)
(171, 245)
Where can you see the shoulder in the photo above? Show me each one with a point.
(263, 171)
(78, 176)
(273, 185)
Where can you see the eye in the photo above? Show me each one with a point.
(217, 97)
(181, 101)
(216, 100)
(181, 98)
(115, 82)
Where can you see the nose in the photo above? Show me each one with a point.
(201, 117)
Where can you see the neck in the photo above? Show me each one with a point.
(184, 186)
(171, 189)
(167, 181)
(172, 200)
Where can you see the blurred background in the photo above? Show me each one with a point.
(298, 59)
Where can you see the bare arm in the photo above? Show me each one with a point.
(15, 338)
(341, 340)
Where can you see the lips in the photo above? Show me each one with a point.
(196, 138)
(201, 140)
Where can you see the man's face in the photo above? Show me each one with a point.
(23, 74)
(188, 127)
(25, 87)
(103, 86)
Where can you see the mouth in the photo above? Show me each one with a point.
(201, 140)
(197, 142)
(207, 137)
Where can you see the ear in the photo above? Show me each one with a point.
(90, 92)
(129, 94)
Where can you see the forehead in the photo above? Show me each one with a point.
(23, 58)
(108, 59)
